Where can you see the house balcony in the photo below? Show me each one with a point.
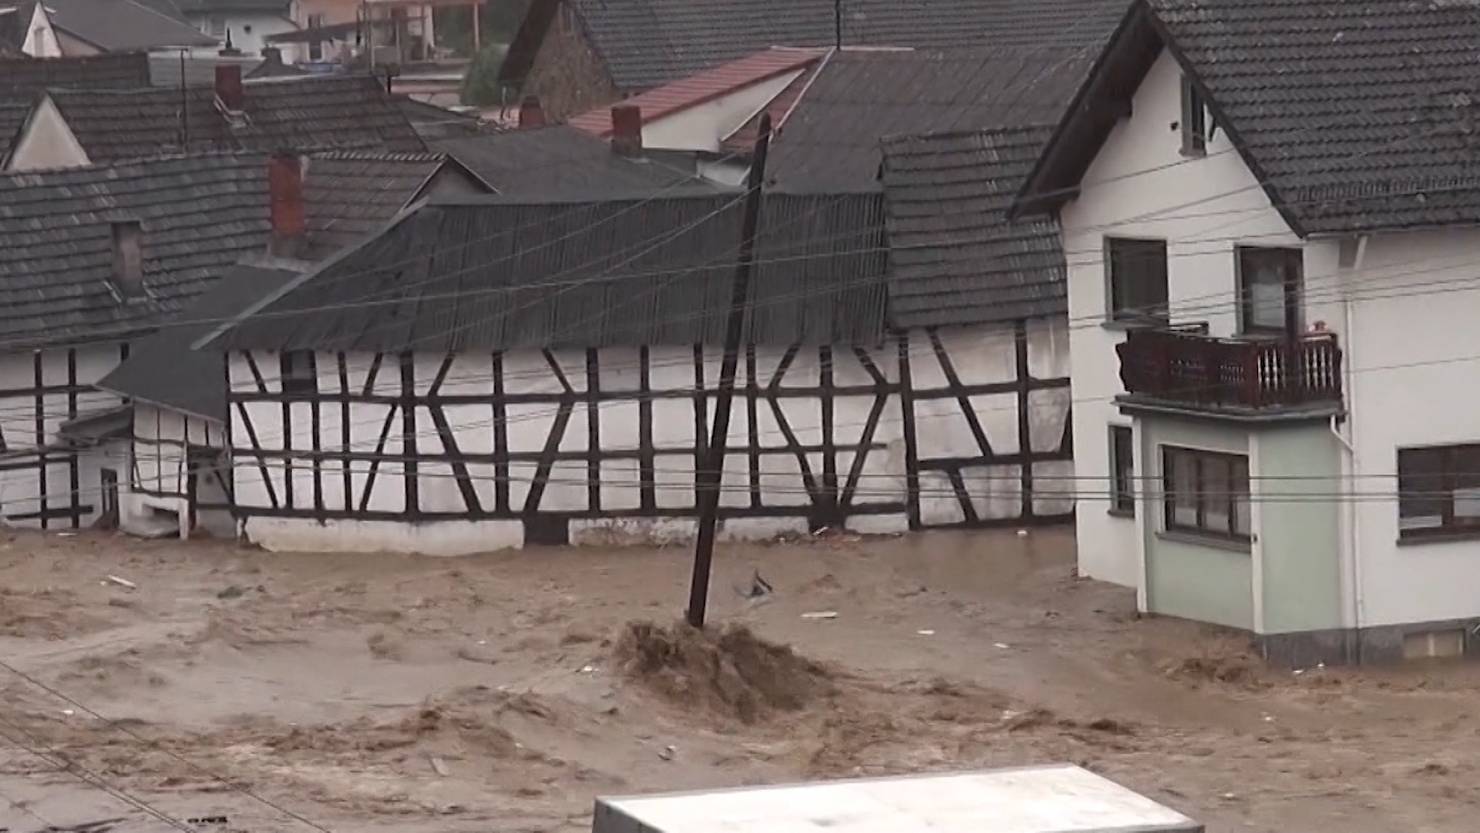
(1243, 378)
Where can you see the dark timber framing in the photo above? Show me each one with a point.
(832, 469)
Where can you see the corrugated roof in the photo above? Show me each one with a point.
(313, 113)
(163, 370)
(199, 215)
(123, 25)
(1353, 114)
(830, 142)
(555, 160)
(704, 86)
(645, 43)
(955, 258)
(508, 274)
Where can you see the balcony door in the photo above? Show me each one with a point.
(1271, 283)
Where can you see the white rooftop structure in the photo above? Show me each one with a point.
(1049, 799)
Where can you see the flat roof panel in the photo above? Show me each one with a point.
(1053, 799)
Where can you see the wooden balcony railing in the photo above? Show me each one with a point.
(1189, 368)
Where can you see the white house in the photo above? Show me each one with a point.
(1271, 213)
(245, 24)
(511, 371)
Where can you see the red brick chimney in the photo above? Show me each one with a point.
(229, 86)
(627, 129)
(285, 190)
(531, 113)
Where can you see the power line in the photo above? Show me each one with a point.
(113, 724)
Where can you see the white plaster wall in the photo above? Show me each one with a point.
(46, 142)
(1140, 186)
(1413, 356)
(41, 39)
(981, 355)
(704, 126)
(20, 487)
(239, 23)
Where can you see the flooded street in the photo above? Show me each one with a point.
(504, 692)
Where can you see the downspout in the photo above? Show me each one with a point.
(1358, 601)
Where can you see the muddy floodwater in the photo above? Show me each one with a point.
(250, 691)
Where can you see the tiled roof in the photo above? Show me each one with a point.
(351, 195)
(1353, 114)
(646, 43)
(509, 274)
(123, 25)
(107, 71)
(830, 142)
(292, 113)
(704, 86)
(556, 160)
(954, 257)
(162, 369)
(199, 215)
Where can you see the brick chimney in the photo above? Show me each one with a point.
(285, 190)
(627, 129)
(229, 87)
(531, 112)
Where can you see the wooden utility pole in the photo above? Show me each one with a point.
(711, 477)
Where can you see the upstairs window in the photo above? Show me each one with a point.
(1194, 120)
(1138, 279)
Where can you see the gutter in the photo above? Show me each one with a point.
(1358, 600)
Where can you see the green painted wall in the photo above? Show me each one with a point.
(1205, 582)
(1301, 557)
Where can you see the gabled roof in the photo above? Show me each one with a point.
(645, 43)
(199, 215)
(291, 113)
(123, 25)
(163, 370)
(1353, 114)
(557, 160)
(708, 85)
(502, 274)
(22, 79)
(830, 142)
(954, 256)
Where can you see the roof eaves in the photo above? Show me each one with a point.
(1032, 198)
(1220, 117)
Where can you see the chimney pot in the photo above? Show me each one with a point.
(627, 129)
(285, 190)
(531, 112)
(272, 56)
(229, 86)
(128, 258)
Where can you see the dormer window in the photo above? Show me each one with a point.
(1194, 120)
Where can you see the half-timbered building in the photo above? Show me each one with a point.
(178, 472)
(516, 370)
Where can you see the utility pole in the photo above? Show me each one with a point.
(184, 107)
(711, 476)
(838, 24)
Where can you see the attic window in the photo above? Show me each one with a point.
(1194, 120)
(128, 259)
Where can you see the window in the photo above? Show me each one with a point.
(1122, 471)
(300, 375)
(216, 27)
(1269, 290)
(1138, 279)
(316, 47)
(1194, 120)
(1207, 492)
(1438, 489)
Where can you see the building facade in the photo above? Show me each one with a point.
(1268, 347)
